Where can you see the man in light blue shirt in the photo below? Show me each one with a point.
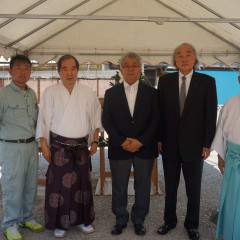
(18, 150)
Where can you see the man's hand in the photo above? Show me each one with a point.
(221, 164)
(45, 149)
(93, 148)
(94, 145)
(205, 153)
(131, 145)
(125, 143)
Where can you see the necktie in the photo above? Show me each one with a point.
(182, 95)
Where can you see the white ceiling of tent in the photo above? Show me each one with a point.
(45, 33)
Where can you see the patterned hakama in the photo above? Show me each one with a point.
(69, 199)
(229, 214)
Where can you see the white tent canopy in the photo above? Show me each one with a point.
(101, 30)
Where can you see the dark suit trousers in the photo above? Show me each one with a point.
(192, 173)
(142, 184)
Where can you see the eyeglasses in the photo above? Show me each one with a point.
(130, 66)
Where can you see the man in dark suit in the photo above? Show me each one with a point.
(130, 117)
(188, 109)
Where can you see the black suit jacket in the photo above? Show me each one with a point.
(119, 124)
(195, 129)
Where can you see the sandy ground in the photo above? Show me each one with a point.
(105, 220)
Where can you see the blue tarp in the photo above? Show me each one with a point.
(226, 82)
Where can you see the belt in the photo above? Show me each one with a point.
(27, 140)
(78, 145)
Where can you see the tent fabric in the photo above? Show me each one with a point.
(97, 41)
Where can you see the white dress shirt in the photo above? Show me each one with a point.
(188, 80)
(131, 94)
(72, 115)
(228, 126)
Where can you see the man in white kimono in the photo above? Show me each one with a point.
(69, 113)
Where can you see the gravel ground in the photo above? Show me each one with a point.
(105, 219)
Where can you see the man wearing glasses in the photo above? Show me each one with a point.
(130, 117)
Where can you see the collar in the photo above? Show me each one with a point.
(63, 87)
(17, 88)
(133, 86)
(188, 76)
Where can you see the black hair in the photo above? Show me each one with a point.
(19, 58)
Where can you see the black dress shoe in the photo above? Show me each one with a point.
(165, 228)
(117, 229)
(139, 229)
(193, 234)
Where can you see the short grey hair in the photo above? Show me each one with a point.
(188, 44)
(132, 55)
